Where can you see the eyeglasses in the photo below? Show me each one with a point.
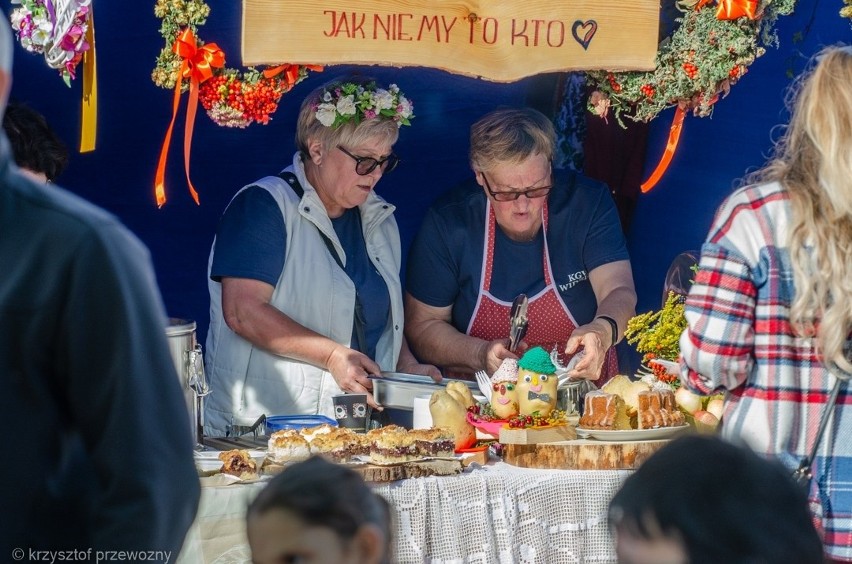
(530, 193)
(366, 165)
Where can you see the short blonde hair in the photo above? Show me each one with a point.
(349, 134)
(510, 135)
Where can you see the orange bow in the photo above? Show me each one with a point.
(733, 9)
(290, 72)
(197, 66)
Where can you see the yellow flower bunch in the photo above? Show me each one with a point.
(656, 333)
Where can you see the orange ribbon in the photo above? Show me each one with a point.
(198, 65)
(290, 72)
(671, 146)
(733, 9)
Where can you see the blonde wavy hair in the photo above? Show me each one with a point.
(813, 162)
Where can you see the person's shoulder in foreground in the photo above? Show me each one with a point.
(702, 500)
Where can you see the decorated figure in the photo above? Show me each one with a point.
(504, 395)
(536, 383)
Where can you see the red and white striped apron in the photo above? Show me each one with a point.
(550, 323)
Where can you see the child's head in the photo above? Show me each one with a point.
(703, 500)
(319, 512)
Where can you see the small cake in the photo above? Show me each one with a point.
(434, 442)
(628, 389)
(288, 445)
(310, 432)
(657, 408)
(339, 447)
(604, 411)
(238, 463)
(504, 394)
(393, 447)
(537, 383)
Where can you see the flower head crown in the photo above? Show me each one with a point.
(347, 102)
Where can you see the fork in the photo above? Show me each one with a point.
(484, 383)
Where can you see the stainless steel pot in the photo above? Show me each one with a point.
(189, 363)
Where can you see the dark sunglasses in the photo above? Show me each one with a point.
(539, 192)
(366, 165)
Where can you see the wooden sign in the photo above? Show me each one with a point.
(496, 40)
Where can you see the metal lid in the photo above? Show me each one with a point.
(178, 326)
(278, 422)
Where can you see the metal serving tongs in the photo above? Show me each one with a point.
(518, 321)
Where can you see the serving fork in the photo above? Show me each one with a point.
(484, 383)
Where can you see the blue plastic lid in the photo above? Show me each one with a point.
(278, 422)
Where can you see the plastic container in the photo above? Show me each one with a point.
(279, 422)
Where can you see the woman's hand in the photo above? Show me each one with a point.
(414, 367)
(351, 370)
(495, 352)
(595, 339)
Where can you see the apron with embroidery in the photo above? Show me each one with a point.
(550, 321)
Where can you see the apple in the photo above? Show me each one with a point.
(705, 422)
(687, 401)
(716, 406)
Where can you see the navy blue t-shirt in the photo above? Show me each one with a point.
(445, 260)
(251, 242)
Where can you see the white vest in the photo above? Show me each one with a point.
(314, 291)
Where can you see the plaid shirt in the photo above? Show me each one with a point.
(739, 339)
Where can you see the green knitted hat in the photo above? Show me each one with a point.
(537, 360)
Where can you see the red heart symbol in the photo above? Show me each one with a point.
(588, 27)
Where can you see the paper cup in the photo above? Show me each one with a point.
(422, 418)
(351, 411)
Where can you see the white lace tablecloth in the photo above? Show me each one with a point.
(497, 514)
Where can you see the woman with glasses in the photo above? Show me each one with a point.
(520, 228)
(305, 296)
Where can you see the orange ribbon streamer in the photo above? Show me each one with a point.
(733, 9)
(671, 146)
(198, 65)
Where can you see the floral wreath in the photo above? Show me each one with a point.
(708, 52)
(232, 98)
(356, 102)
(55, 28)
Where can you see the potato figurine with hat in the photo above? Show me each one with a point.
(537, 383)
(504, 396)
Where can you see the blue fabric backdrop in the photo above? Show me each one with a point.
(134, 114)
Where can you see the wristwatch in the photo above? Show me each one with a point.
(612, 325)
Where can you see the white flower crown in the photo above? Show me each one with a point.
(347, 102)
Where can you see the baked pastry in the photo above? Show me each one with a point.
(393, 448)
(339, 447)
(433, 442)
(288, 446)
(657, 408)
(238, 463)
(604, 411)
(629, 391)
(310, 432)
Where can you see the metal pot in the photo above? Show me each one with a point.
(189, 363)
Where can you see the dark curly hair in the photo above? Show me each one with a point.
(35, 146)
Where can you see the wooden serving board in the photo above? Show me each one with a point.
(582, 454)
(419, 469)
(537, 435)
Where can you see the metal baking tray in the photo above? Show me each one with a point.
(397, 390)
